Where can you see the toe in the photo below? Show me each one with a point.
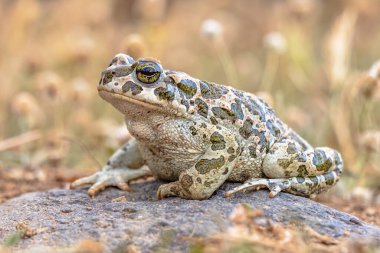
(97, 187)
(122, 185)
(168, 190)
(82, 181)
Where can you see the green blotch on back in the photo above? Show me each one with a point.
(212, 90)
(321, 162)
(202, 107)
(204, 166)
(164, 94)
(213, 120)
(223, 113)
(188, 87)
(246, 130)
(218, 142)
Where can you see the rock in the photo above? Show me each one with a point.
(65, 217)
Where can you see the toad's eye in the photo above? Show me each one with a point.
(148, 72)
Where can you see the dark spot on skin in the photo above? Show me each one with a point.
(273, 128)
(199, 180)
(230, 150)
(287, 173)
(125, 148)
(300, 180)
(238, 93)
(302, 171)
(204, 166)
(186, 181)
(223, 113)
(131, 86)
(203, 125)
(188, 87)
(107, 77)
(337, 158)
(164, 94)
(175, 191)
(193, 130)
(301, 157)
(225, 171)
(292, 148)
(255, 108)
(204, 136)
(108, 162)
(314, 180)
(237, 110)
(169, 80)
(231, 158)
(184, 101)
(116, 83)
(202, 107)
(330, 178)
(338, 162)
(213, 120)
(263, 142)
(239, 151)
(321, 162)
(246, 130)
(245, 175)
(252, 151)
(218, 142)
(284, 163)
(208, 183)
(212, 90)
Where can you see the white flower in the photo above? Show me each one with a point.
(211, 29)
(275, 41)
(375, 70)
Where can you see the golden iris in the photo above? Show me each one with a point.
(148, 72)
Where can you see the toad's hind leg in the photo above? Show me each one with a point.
(308, 186)
(301, 172)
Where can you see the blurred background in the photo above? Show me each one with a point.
(315, 62)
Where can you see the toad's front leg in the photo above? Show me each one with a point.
(209, 172)
(124, 165)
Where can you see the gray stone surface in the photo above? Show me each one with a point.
(70, 215)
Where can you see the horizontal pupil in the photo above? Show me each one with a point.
(148, 71)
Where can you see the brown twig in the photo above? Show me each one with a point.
(22, 139)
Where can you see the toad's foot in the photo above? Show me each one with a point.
(308, 186)
(113, 177)
(274, 185)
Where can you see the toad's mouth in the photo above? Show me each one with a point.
(124, 103)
